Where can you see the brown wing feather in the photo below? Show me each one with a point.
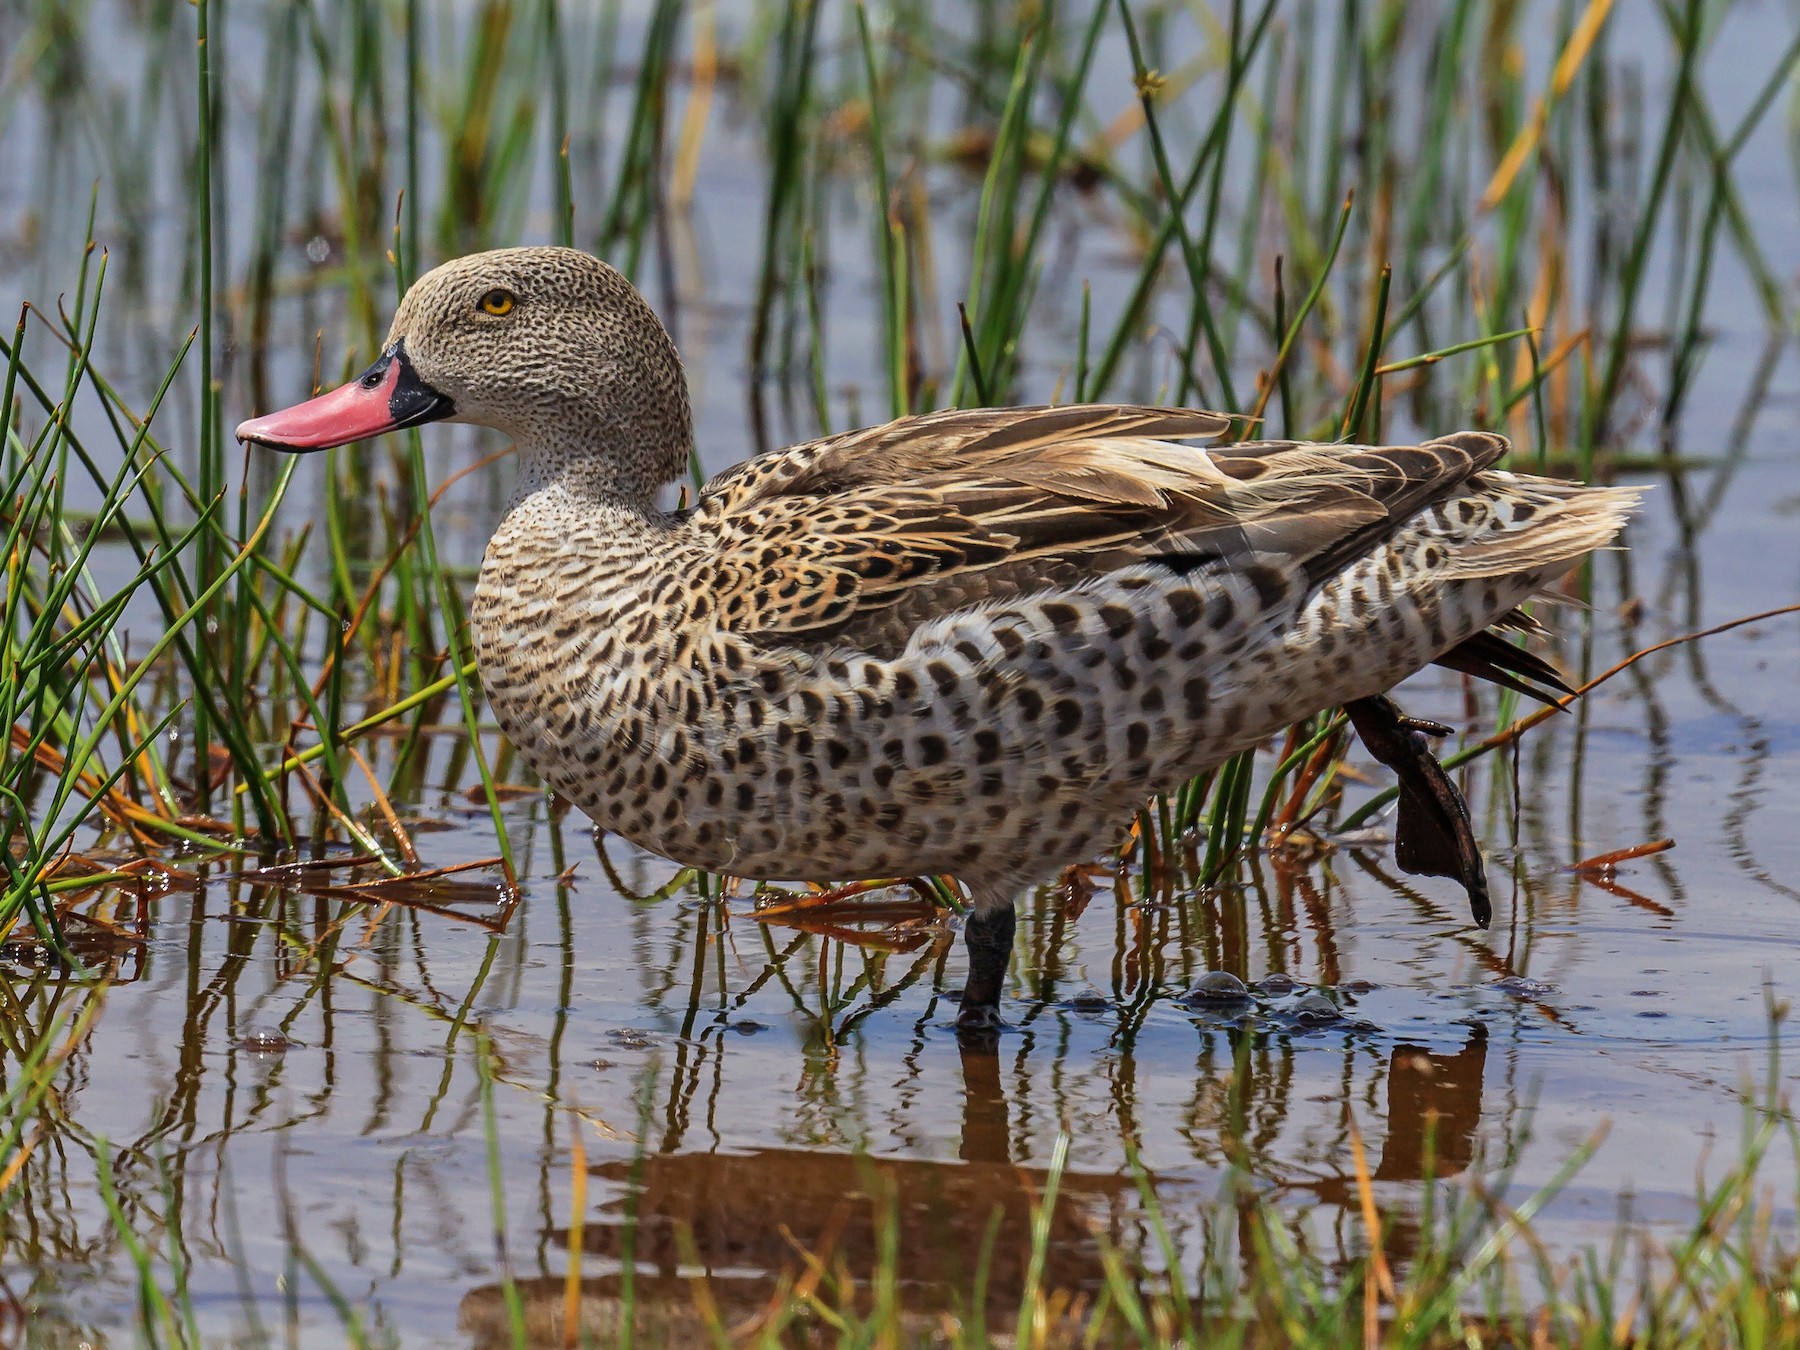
(957, 439)
(859, 538)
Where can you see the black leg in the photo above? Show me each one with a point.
(989, 935)
(1432, 834)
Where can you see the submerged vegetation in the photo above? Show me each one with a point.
(1357, 222)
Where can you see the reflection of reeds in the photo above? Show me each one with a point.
(777, 1249)
(769, 1244)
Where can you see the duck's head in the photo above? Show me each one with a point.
(548, 345)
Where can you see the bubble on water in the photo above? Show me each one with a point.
(1089, 1001)
(1314, 1009)
(746, 1026)
(318, 249)
(630, 1038)
(1218, 987)
(1277, 983)
(265, 1041)
(1523, 987)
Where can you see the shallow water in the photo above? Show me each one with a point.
(277, 1068)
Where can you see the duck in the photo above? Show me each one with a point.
(970, 642)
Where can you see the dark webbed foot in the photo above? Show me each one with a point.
(1432, 835)
(979, 1025)
(988, 934)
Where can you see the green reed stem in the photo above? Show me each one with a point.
(212, 468)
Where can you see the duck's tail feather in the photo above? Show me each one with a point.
(1542, 522)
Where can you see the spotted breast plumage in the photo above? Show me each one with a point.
(969, 642)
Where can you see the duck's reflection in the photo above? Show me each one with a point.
(1433, 1125)
(749, 1220)
(986, 1133)
(1433, 1110)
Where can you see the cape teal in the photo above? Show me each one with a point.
(968, 642)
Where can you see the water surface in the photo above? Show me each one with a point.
(278, 1069)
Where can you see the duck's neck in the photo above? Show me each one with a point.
(595, 480)
(569, 534)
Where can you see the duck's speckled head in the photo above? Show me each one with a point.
(548, 345)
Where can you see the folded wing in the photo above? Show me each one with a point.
(858, 539)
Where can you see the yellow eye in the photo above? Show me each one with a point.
(498, 302)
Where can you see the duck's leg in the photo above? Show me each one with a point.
(1432, 835)
(988, 934)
